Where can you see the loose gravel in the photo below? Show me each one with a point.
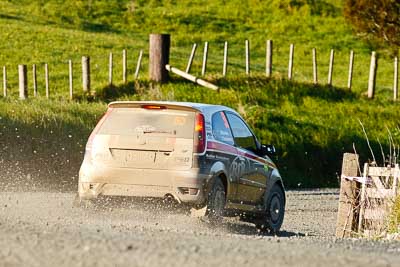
(46, 229)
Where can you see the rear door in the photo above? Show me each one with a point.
(146, 138)
(251, 184)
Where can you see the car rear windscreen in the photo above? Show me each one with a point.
(134, 121)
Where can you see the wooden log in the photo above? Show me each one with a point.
(23, 81)
(395, 79)
(268, 58)
(110, 69)
(191, 77)
(4, 81)
(372, 76)
(34, 80)
(347, 212)
(290, 67)
(330, 71)
(351, 63)
(71, 80)
(124, 66)
(159, 57)
(46, 78)
(190, 61)
(315, 71)
(86, 74)
(225, 64)
(247, 48)
(139, 62)
(205, 55)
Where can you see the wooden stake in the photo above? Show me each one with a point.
(46, 76)
(247, 47)
(34, 80)
(190, 61)
(225, 64)
(372, 76)
(315, 71)
(290, 67)
(395, 78)
(124, 66)
(71, 80)
(351, 63)
(23, 82)
(159, 57)
(4, 81)
(86, 74)
(268, 58)
(139, 62)
(347, 222)
(205, 54)
(110, 69)
(330, 72)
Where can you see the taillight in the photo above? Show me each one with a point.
(199, 134)
(95, 130)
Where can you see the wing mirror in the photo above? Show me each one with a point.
(268, 150)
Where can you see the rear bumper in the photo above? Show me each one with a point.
(185, 186)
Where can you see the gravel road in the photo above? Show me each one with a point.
(45, 229)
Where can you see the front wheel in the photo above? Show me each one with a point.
(274, 210)
(216, 202)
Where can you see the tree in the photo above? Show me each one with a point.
(375, 20)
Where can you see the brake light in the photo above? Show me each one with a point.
(153, 107)
(96, 129)
(199, 134)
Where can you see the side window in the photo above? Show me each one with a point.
(241, 133)
(221, 129)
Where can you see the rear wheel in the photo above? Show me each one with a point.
(216, 202)
(274, 211)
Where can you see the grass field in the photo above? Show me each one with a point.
(310, 125)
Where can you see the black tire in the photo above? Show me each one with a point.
(274, 211)
(216, 202)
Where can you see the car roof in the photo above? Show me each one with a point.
(204, 108)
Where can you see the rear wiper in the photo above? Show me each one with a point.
(163, 132)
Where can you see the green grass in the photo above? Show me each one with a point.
(38, 32)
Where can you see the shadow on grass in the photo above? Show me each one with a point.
(279, 88)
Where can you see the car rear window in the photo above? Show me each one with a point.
(133, 121)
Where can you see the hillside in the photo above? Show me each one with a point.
(310, 125)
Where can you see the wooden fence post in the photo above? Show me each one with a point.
(347, 222)
(86, 74)
(159, 57)
(290, 67)
(225, 64)
(395, 78)
(330, 72)
(4, 81)
(247, 50)
(268, 58)
(34, 80)
(139, 62)
(124, 66)
(23, 81)
(71, 80)
(315, 70)
(190, 61)
(205, 55)
(351, 63)
(372, 75)
(110, 69)
(46, 76)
